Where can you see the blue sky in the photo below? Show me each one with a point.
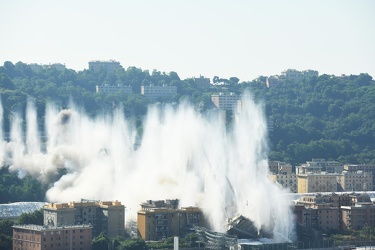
(242, 38)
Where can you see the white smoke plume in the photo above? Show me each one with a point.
(182, 154)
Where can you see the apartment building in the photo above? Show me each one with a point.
(358, 216)
(154, 92)
(278, 167)
(367, 168)
(321, 217)
(319, 165)
(287, 181)
(104, 216)
(337, 211)
(317, 182)
(355, 181)
(227, 101)
(106, 88)
(295, 75)
(36, 237)
(160, 220)
(107, 66)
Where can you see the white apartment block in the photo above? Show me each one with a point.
(295, 75)
(229, 101)
(154, 92)
(106, 88)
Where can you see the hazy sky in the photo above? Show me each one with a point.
(242, 38)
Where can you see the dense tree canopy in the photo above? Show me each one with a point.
(323, 117)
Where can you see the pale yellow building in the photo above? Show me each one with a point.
(287, 181)
(314, 182)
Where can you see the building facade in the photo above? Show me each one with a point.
(226, 101)
(154, 92)
(35, 237)
(321, 217)
(104, 216)
(107, 66)
(367, 168)
(113, 89)
(314, 182)
(287, 181)
(355, 181)
(358, 216)
(166, 220)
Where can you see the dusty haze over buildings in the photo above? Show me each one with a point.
(182, 154)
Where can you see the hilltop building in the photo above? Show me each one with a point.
(106, 88)
(202, 82)
(154, 92)
(104, 216)
(35, 237)
(227, 101)
(38, 67)
(291, 75)
(107, 66)
(162, 219)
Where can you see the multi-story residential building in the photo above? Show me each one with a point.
(337, 211)
(104, 216)
(367, 168)
(227, 101)
(278, 167)
(319, 165)
(107, 66)
(113, 89)
(36, 237)
(358, 216)
(159, 220)
(292, 75)
(154, 92)
(321, 217)
(287, 181)
(355, 181)
(315, 182)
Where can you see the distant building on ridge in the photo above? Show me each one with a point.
(107, 66)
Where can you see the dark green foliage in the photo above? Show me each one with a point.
(14, 189)
(100, 242)
(325, 117)
(35, 218)
(133, 244)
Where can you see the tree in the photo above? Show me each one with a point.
(35, 218)
(133, 244)
(100, 242)
(234, 80)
